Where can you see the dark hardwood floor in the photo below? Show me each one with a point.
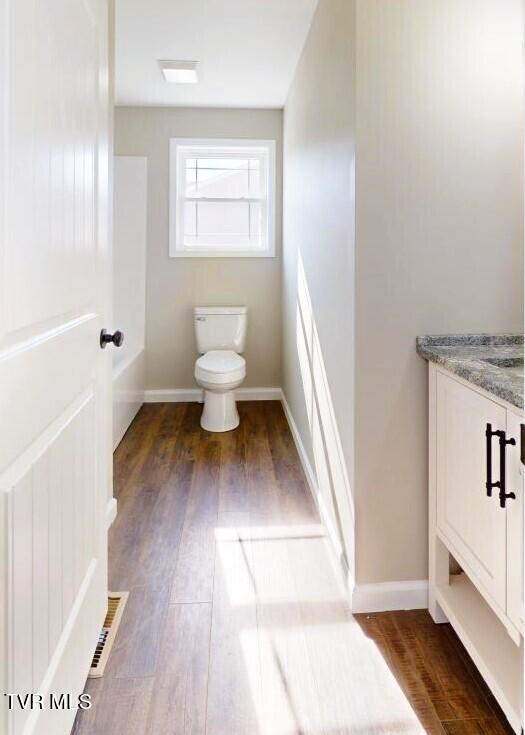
(235, 623)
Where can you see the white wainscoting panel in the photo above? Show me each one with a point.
(409, 595)
(337, 559)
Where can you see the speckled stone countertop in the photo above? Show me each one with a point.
(491, 361)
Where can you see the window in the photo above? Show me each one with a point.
(222, 198)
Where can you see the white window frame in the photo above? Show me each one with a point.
(182, 148)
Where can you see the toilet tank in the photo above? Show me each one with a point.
(220, 327)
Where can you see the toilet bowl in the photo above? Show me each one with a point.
(220, 333)
(220, 372)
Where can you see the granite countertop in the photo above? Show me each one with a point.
(491, 361)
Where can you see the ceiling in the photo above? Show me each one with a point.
(247, 50)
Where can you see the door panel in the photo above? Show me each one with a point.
(51, 159)
(42, 611)
(473, 523)
(55, 436)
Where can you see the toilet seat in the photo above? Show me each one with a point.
(220, 367)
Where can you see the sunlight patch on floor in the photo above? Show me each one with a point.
(308, 665)
(328, 678)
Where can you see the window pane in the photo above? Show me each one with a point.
(228, 178)
(218, 162)
(225, 223)
(222, 183)
(218, 219)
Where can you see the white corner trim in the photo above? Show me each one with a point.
(194, 395)
(385, 596)
(111, 511)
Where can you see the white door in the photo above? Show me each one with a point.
(473, 524)
(55, 445)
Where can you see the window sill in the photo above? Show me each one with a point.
(222, 254)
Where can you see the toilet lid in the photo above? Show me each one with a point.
(220, 362)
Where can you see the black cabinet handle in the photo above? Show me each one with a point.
(502, 482)
(488, 447)
(522, 444)
(503, 494)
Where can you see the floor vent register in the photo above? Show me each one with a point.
(116, 604)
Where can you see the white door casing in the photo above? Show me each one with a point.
(55, 408)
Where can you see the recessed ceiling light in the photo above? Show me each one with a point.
(179, 72)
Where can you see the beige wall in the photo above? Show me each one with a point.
(318, 265)
(175, 285)
(438, 240)
(439, 236)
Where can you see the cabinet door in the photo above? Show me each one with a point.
(473, 524)
(514, 512)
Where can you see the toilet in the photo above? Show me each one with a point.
(221, 336)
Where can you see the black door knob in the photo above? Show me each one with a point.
(117, 338)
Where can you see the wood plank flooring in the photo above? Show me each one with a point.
(235, 624)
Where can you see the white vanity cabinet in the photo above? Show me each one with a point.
(470, 522)
(476, 537)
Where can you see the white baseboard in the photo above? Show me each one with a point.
(258, 394)
(194, 395)
(173, 395)
(111, 511)
(384, 596)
